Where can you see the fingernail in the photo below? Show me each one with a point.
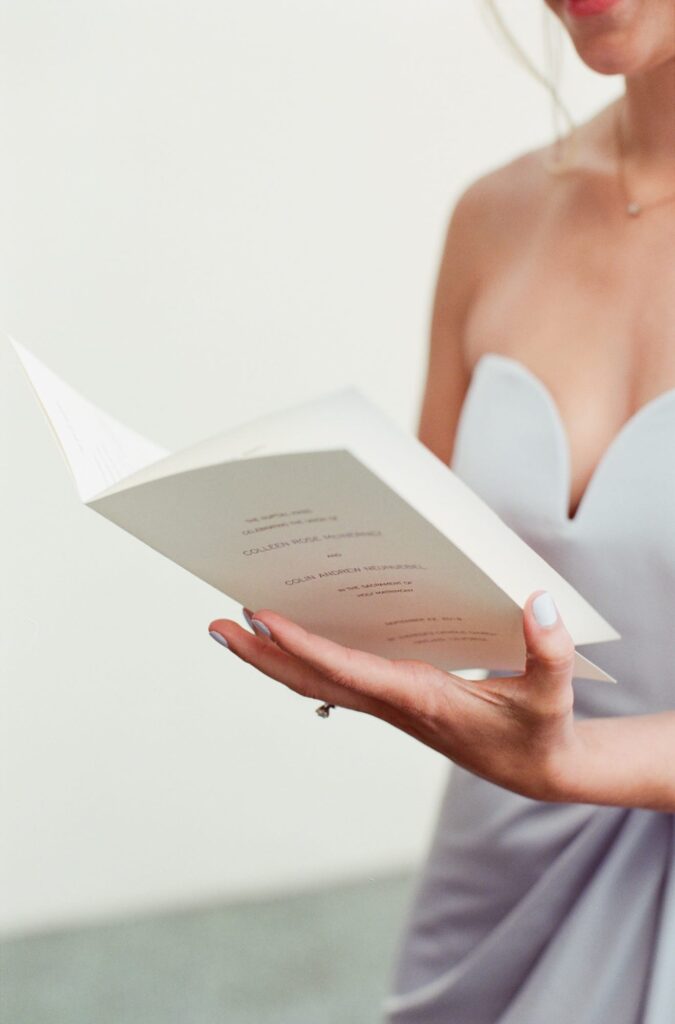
(248, 615)
(260, 628)
(544, 609)
(219, 638)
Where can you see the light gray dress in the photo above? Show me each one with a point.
(534, 913)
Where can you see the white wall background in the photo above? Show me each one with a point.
(209, 210)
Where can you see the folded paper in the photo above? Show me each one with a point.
(332, 515)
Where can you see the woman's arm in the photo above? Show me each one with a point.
(628, 761)
(516, 731)
(478, 245)
(447, 376)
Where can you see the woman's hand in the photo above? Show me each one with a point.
(516, 731)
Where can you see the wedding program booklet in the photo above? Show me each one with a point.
(330, 514)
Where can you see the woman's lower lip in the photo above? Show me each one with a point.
(583, 8)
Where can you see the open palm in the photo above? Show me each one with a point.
(516, 731)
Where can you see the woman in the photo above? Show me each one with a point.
(548, 894)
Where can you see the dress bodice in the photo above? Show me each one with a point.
(618, 550)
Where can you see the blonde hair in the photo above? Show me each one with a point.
(564, 144)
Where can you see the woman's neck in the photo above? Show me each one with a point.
(648, 117)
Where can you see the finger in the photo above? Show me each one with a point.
(294, 673)
(550, 648)
(400, 684)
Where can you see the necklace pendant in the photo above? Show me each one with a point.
(633, 209)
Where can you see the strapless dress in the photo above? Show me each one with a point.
(527, 912)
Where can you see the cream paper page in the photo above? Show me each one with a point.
(321, 538)
(347, 420)
(397, 510)
(99, 450)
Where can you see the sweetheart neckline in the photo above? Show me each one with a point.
(617, 439)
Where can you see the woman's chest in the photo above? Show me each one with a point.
(511, 447)
(596, 330)
(574, 299)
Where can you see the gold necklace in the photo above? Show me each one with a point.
(633, 207)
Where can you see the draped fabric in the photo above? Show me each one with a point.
(533, 913)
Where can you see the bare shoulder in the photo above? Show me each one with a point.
(504, 198)
(514, 195)
(514, 184)
(498, 220)
(486, 221)
(491, 218)
(500, 211)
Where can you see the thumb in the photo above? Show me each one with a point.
(550, 648)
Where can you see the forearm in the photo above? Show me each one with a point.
(624, 761)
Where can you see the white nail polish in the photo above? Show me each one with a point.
(260, 628)
(544, 609)
(218, 638)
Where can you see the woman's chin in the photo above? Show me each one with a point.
(617, 56)
(609, 61)
(619, 37)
